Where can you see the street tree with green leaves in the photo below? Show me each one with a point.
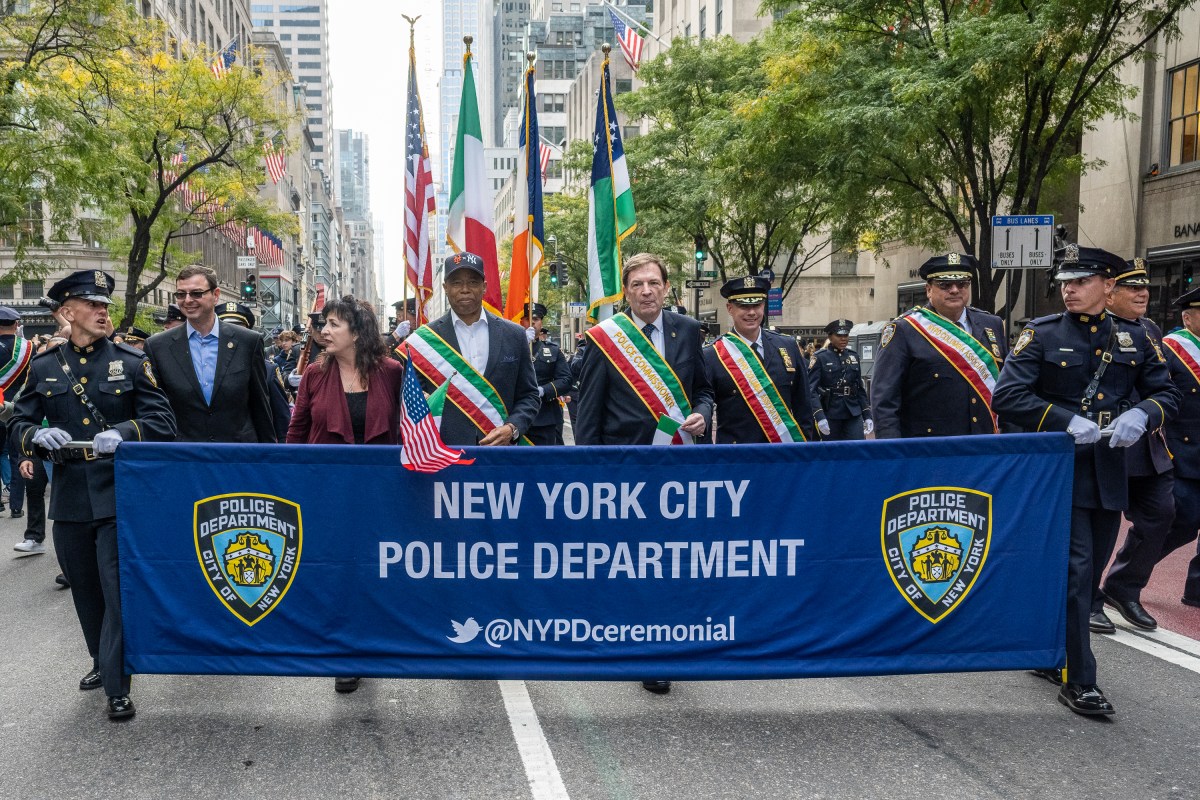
(936, 116)
(710, 166)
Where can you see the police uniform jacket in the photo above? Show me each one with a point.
(916, 392)
(509, 370)
(1148, 455)
(240, 409)
(836, 379)
(281, 412)
(119, 381)
(1044, 380)
(1183, 432)
(553, 376)
(610, 412)
(788, 369)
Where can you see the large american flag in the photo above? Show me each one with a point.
(418, 199)
(627, 37)
(423, 450)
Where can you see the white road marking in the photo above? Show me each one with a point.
(540, 768)
(1171, 647)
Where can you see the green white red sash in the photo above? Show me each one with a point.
(644, 369)
(1186, 348)
(969, 358)
(472, 393)
(755, 386)
(22, 352)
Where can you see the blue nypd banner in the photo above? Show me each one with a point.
(769, 561)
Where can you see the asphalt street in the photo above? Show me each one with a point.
(974, 735)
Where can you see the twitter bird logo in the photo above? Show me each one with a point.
(464, 631)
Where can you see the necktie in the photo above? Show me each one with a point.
(648, 329)
(757, 350)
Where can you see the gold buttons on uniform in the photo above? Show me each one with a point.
(83, 380)
(83, 361)
(972, 401)
(935, 374)
(973, 419)
(117, 392)
(1095, 329)
(87, 421)
(1063, 363)
(1100, 396)
(1099, 351)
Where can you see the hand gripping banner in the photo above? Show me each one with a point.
(703, 563)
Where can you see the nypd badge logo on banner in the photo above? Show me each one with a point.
(249, 548)
(935, 543)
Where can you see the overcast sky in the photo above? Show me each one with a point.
(368, 52)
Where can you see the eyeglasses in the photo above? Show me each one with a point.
(948, 285)
(195, 294)
(319, 324)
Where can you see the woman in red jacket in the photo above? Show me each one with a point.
(351, 393)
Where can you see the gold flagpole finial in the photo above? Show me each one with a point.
(606, 48)
(467, 41)
(530, 57)
(412, 29)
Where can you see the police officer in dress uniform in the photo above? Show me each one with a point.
(281, 412)
(1151, 484)
(175, 317)
(1091, 374)
(916, 390)
(406, 323)
(94, 394)
(780, 356)
(836, 378)
(134, 337)
(553, 375)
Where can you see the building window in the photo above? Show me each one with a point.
(720, 13)
(703, 23)
(1185, 115)
(31, 290)
(6, 291)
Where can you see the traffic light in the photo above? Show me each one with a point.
(250, 289)
(701, 249)
(554, 273)
(563, 277)
(1187, 277)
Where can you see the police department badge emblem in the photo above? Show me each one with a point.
(935, 543)
(889, 331)
(1124, 339)
(249, 548)
(953, 258)
(1024, 340)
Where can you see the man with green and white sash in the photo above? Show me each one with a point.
(493, 396)
(760, 378)
(938, 363)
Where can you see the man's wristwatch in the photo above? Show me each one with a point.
(516, 434)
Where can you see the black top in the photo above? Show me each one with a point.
(357, 401)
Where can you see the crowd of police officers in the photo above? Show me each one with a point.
(1099, 371)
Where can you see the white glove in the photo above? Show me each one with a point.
(402, 330)
(51, 438)
(868, 427)
(6, 411)
(293, 379)
(106, 442)
(1084, 430)
(1127, 428)
(530, 335)
(823, 427)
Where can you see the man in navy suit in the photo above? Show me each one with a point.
(212, 373)
(486, 352)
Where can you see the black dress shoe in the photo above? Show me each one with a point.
(17, 514)
(1100, 623)
(62, 581)
(1133, 612)
(120, 708)
(91, 681)
(1052, 675)
(658, 687)
(1190, 601)
(345, 685)
(1086, 700)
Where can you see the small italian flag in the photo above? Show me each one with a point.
(437, 402)
(669, 432)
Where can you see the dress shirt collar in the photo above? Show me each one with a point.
(456, 320)
(216, 329)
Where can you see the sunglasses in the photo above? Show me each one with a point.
(948, 285)
(195, 294)
(319, 324)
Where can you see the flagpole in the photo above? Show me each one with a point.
(633, 22)
(529, 150)
(412, 63)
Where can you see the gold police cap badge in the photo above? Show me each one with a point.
(953, 258)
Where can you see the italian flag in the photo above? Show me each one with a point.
(668, 432)
(469, 223)
(610, 206)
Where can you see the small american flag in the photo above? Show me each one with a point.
(424, 450)
(627, 37)
(544, 154)
(226, 58)
(276, 162)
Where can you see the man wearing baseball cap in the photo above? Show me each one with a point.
(483, 355)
